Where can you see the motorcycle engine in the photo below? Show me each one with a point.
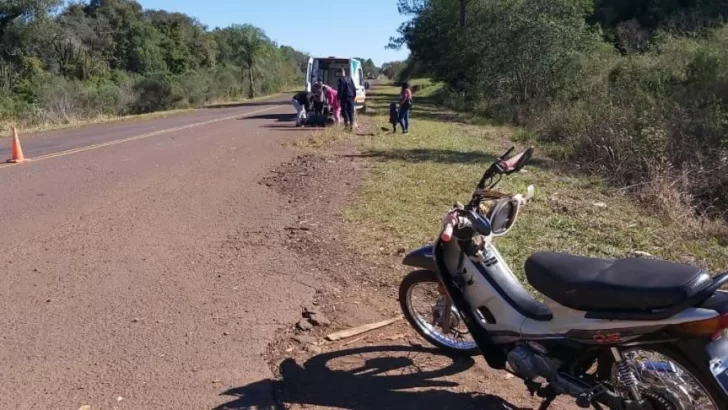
(529, 364)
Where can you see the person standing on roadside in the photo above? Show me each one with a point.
(405, 105)
(346, 91)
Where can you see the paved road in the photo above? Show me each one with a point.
(145, 274)
(71, 138)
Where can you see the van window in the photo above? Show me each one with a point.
(360, 74)
(328, 68)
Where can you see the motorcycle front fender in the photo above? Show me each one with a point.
(421, 258)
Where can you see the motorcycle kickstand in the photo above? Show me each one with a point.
(546, 403)
(597, 406)
(549, 395)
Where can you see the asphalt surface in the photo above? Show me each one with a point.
(145, 272)
(51, 142)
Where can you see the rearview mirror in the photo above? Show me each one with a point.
(502, 215)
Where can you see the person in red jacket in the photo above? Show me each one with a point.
(333, 99)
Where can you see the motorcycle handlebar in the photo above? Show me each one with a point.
(459, 221)
(505, 166)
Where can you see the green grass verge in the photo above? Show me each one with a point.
(416, 177)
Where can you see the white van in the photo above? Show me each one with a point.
(324, 69)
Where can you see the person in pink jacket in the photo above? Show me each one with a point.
(331, 95)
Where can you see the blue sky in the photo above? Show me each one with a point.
(343, 28)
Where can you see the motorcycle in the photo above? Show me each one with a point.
(632, 334)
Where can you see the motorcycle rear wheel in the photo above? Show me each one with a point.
(433, 332)
(694, 378)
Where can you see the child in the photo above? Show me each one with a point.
(393, 116)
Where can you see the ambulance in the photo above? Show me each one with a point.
(324, 69)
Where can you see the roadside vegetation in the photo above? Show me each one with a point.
(71, 62)
(416, 177)
(634, 92)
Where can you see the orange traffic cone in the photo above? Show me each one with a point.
(17, 151)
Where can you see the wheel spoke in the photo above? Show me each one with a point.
(667, 383)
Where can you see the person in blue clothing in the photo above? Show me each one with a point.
(346, 92)
(405, 106)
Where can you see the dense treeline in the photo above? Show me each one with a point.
(368, 66)
(633, 89)
(60, 63)
(393, 69)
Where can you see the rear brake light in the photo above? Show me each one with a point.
(713, 326)
(722, 325)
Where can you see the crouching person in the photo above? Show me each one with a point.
(333, 98)
(302, 102)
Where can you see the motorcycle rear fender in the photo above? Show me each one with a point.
(706, 352)
(713, 353)
(421, 258)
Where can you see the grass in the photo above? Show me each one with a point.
(75, 123)
(416, 177)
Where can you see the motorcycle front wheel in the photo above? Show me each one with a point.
(423, 303)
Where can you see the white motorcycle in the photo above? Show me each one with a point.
(631, 334)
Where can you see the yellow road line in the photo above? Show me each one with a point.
(138, 137)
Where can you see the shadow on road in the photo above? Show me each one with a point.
(290, 127)
(248, 104)
(278, 117)
(373, 377)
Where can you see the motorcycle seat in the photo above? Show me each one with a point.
(591, 284)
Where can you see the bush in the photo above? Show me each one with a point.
(650, 113)
(156, 92)
(662, 119)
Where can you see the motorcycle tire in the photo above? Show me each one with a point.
(698, 370)
(410, 280)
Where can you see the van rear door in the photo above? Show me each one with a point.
(311, 73)
(357, 74)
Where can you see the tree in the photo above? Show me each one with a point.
(368, 66)
(292, 54)
(392, 69)
(16, 19)
(185, 43)
(142, 49)
(11, 10)
(249, 45)
(112, 57)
